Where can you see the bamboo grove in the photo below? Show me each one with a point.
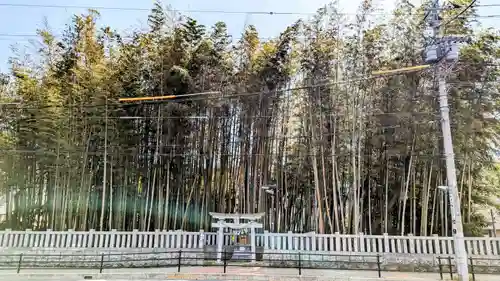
(347, 152)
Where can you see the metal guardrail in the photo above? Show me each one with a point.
(450, 268)
(181, 258)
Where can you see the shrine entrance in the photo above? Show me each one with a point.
(242, 228)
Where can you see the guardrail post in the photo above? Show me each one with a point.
(102, 263)
(179, 261)
(224, 259)
(450, 267)
(19, 263)
(300, 265)
(379, 267)
(440, 268)
(472, 269)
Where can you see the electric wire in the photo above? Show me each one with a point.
(211, 11)
(232, 96)
(424, 156)
(51, 6)
(30, 37)
(471, 4)
(238, 95)
(197, 97)
(46, 6)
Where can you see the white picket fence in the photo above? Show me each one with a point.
(435, 245)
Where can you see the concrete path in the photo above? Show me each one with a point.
(216, 273)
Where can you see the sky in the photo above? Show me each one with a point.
(18, 23)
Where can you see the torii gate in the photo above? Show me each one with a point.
(236, 224)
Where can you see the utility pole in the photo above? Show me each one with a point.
(443, 52)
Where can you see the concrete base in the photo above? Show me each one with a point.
(364, 261)
(210, 252)
(164, 258)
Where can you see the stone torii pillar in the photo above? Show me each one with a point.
(252, 239)
(220, 239)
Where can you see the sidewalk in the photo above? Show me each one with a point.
(216, 273)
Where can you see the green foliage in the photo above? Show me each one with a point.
(362, 156)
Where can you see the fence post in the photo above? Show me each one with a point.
(289, 240)
(313, 241)
(46, 239)
(71, 239)
(178, 235)
(412, 242)
(156, 241)
(201, 241)
(300, 265)
(19, 263)
(134, 238)
(102, 263)
(356, 242)
(266, 238)
(91, 239)
(361, 239)
(338, 246)
(27, 239)
(112, 238)
(472, 269)
(386, 243)
(379, 269)
(487, 242)
(7, 238)
(440, 268)
(437, 245)
(450, 267)
(179, 261)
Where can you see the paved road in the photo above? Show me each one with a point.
(214, 273)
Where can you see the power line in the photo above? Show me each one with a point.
(457, 15)
(27, 36)
(48, 6)
(488, 5)
(16, 105)
(405, 114)
(239, 155)
(233, 96)
(373, 129)
(236, 118)
(196, 11)
(292, 137)
(149, 9)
